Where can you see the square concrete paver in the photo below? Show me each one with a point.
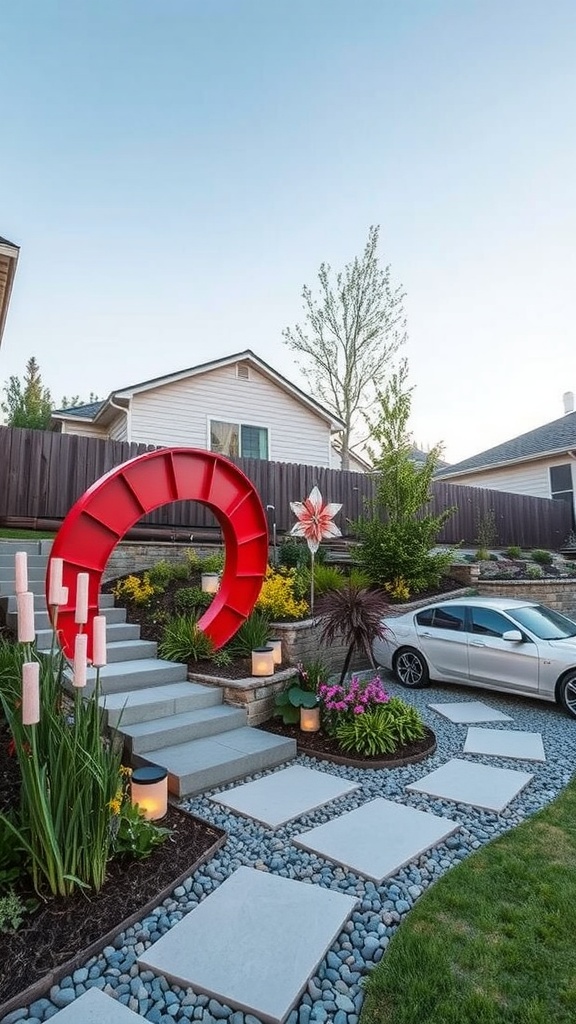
(526, 746)
(94, 1007)
(253, 943)
(377, 839)
(475, 784)
(464, 711)
(284, 795)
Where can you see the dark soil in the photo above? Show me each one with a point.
(320, 743)
(60, 928)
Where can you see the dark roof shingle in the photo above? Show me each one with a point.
(84, 412)
(560, 435)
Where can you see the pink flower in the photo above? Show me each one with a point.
(314, 519)
(359, 709)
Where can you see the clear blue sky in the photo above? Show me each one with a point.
(176, 170)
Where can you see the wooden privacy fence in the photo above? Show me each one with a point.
(42, 474)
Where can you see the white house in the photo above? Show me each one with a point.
(541, 462)
(8, 261)
(238, 406)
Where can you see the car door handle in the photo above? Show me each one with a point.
(477, 643)
(426, 634)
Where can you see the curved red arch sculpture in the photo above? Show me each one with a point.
(112, 505)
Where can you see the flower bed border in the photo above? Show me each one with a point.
(375, 764)
(39, 988)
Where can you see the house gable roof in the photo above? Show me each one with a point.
(80, 412)
(551, 439)
(336, 424)
(8, 261)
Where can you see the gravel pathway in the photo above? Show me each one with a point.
(334, 994)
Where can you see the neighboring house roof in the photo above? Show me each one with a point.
(551, 439)
(102, 408)
(419, 457)
(8, 261)
(81, 412)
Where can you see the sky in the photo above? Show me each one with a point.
(176, 170)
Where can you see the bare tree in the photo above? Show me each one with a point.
(350, 333)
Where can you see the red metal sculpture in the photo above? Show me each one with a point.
(112, 505)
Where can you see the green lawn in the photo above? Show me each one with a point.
(6, 534)
(494, 940)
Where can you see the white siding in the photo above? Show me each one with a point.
(525, 478)
(85, 429)
(179, 414)
(117, 431)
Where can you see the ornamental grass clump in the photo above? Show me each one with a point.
(71, 774)
(353, 616)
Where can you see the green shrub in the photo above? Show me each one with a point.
(327, 577)
(184, 641)
(222, 658)
(534, 572)
(289, 702)
(482, 555)
(212, 563)
(402, 549)
(12, 912)
(542, 557)
(277, 598)
(381, 730)
(253, 633)
(191, 600)
(136, 836)
(513, 552)
(358, 578)
(163, 573)
(294, 553)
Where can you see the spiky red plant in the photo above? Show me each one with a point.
(354, 615)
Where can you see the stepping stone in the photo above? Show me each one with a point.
(475, 784)
(377, 839)
(284, 795)
(525, 746)
(253, 943)
(93, 1007)
(470, 711)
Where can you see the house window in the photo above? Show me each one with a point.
(561, 487)
(241, 439)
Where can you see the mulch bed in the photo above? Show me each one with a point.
(64, 928)
(319, 744)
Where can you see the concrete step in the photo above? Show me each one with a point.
(214, 760)
(115, 632)
(133, 675)
(42, 619)
(174, 729)
(121, 650)
(43, 622)
(128, 707)
(34, 561)
(36, 586)
(35, 572)
(31, 547)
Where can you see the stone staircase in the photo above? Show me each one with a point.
(163, 718)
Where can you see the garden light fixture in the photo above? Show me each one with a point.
(310, 719)
(276, 645)
(210, 582)
(149, 789)
(263, 661)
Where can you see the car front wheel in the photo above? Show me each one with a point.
(566, 693)
(410, 668)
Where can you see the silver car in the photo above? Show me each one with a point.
(496, 643)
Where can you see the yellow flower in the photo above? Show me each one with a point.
(125, 769)
(114, 805)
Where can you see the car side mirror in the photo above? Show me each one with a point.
(514, 636)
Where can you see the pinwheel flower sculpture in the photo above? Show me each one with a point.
(314, 524)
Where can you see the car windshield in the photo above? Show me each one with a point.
(543, 622)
